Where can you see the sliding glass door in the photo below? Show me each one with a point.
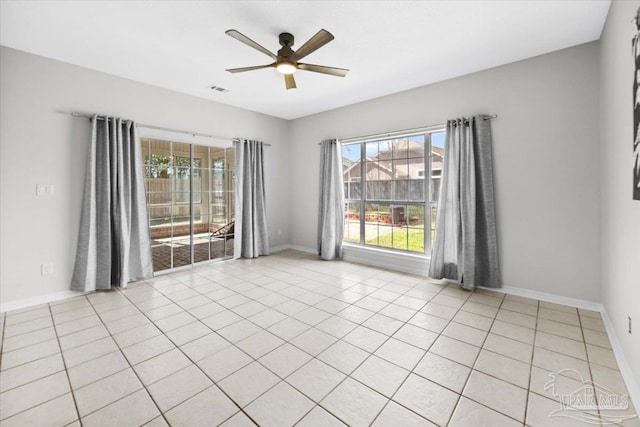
(190, 202)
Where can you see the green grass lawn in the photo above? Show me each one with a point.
(400, 239)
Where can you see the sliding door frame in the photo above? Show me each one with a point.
(206, 196)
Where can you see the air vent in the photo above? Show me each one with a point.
(218, 89)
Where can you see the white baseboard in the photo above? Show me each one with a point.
(304, 249)
(627, 374)
(625, 369)
(294, 247)
(278, 248)
(544, 296)
(42, 299)
(632, 385)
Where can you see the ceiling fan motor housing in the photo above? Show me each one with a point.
(286, 41)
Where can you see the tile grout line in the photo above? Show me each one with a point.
(312, 356)
(64, 364)
(493, 376)
(533, 350)
(4, 323)
(60, 353)
(130, 366)
(509, 357)
(177, 303)
(41, 358)
(460, 395)
(288, 341)
(372, 353)
(412, 370)
(451, 320)
(587, 361)
(586, 352)
(280, 380)
(214, 383)
(236, 273)
(315, 357)
(38, 307)
(421, 358)
(348, 376)
(456, 339)
(212, 331)
(127, 359)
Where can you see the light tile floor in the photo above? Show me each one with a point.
(290, 340)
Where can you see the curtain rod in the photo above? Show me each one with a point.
(185, 132)
(404, 132)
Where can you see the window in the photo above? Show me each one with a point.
(189, 192)
(388, 201)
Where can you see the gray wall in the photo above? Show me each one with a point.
(546, 161)
(620, 214)
(562, 146)
(545, 146)
(42, 143)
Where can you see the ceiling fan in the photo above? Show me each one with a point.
(286, 61)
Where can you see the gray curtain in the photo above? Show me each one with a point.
(251, 237)
(331, 201)
(465, 247)
(113, 243)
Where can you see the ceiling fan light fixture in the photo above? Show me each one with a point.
(285, 67)
(287, 61)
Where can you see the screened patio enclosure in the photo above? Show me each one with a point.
(190, 202)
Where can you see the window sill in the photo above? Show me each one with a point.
(392, 260)
(386, 251)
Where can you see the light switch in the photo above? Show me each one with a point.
(44, 189)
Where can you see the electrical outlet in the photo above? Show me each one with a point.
(46, 269)
(629, 323)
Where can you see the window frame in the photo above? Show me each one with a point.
(199, 155)
(427, 204)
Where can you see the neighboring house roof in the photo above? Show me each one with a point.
(347, 163)
(384, 157)
(350, 167)
(415, 149)
(436, 160)
(385, 166)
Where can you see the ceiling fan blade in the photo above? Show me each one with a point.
(246, 40)
(340, 72)
(321, 38)
(243, 69)
(289, 81)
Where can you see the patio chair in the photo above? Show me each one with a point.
(225, 231)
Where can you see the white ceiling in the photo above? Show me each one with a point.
(389, 46)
